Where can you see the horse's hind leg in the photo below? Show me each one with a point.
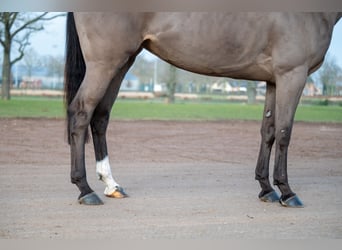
(289, 87)
(99, 123)
(80, 112)
(267, 193)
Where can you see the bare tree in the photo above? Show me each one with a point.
(56, 65)
(143, 69)
(329, 75)
(31, 59)
(15, 31)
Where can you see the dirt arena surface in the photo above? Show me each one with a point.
(185, 180)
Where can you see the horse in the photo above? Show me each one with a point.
(279, 48)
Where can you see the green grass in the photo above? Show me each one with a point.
(32, 107)
(185, 111)
(319, 113)
(40, 107)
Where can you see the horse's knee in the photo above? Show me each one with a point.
(283, 137)
(76, 176)
(268, 134)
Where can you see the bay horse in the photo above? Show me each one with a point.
(279, 48)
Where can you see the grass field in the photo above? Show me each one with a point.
(34, 107)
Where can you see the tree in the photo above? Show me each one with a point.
(143, 69)
(171, 84)
(31, 59)
(329, 75)
(54, 65)
(15, 31)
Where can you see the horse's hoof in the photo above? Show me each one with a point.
(119, 193)
(90, 199)
(270, 197)
(293, 201)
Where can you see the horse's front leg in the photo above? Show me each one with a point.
(288, 92)
(267, 193)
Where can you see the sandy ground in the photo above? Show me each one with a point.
(185, 180)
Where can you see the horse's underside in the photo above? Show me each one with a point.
(279, 48)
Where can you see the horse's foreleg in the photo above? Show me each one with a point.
(267, 139)
(289, 87)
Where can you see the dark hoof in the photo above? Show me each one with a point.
(293, 201)
(90, 199)
(119, 193)
(270, 197)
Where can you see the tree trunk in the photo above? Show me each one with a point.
(324, 92)
(171, 85)
(251, 92)
(6, 76)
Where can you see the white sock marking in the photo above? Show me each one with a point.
(104, 173)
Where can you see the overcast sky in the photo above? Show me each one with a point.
(52, 40)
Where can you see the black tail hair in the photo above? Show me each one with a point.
(75, 67)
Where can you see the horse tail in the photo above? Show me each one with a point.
(74, 70)
(75, 67)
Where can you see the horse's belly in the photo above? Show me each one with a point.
(230, 50)
(257, 66)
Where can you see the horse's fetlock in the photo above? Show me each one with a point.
(76, 178)
(102, 175)
(280, 180)
(99, 176)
